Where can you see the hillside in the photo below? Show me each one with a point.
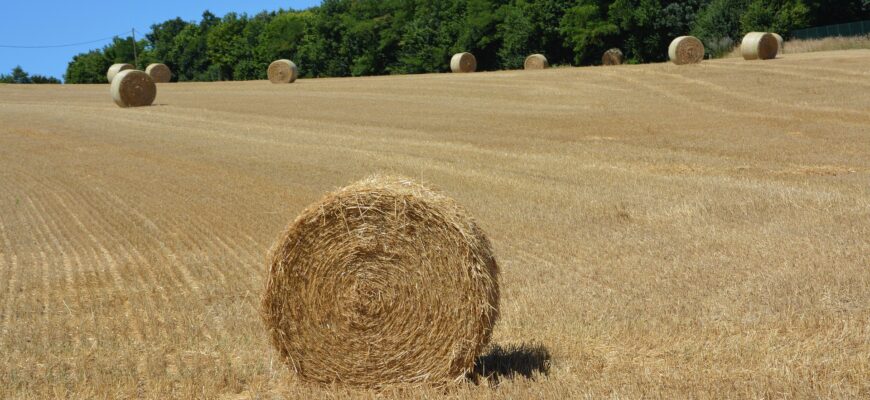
(663, 231)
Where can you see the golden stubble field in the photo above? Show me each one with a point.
(663, 231)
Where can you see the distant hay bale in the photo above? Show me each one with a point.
(613, 57)
(133, 88)
(384, 282)
(536, 61)
(282, 71)
(463, 62)
(160, 73)
(115, 69)
(686, 50)
(780, 42)
(759, 46)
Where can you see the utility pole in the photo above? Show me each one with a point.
(135, 55)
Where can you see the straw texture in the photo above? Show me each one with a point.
(160, 73)
(536, 61)
(383, 282)
(463, 63)
(780, 42)
(115, 69)
(759, 46)
(133, 88)
(613, 57)
(282, 71)
(686, 50)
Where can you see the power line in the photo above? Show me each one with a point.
(55, 46)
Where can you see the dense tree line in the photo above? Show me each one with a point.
(18, 75)
(372, 37)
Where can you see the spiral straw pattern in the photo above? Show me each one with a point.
(759, 46)
(282, 71)
(133, 88)
(463, 63)
(686, 50)
(384, 282)
(159, 72)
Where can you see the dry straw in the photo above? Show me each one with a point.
(780, 42)
(536, 61)
(115, 69)
(282, 71)
(613, 57)
(160, 73)
(686, 50)
(463, 62)
(383, 282)
(759, 46)
(133, 88)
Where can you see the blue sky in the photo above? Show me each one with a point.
(54, 22)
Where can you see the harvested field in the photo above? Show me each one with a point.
(662, 231)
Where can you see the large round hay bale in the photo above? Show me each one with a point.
(779, 41)
(613, 57)
(160, 73)
(686, 50)
(115, 69)
(383, 282)
(759, 46)
(536, 61)
(282, 71)
(463, 62)
(133, 88)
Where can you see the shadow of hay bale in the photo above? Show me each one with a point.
(526, 360)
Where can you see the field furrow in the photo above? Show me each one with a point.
(663, 231)
(10, 271)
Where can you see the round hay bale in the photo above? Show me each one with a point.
(133, 88)
(115, 69)
(759, 46)
(613, 57)
(780, 42)
(282, 71)
(686, 50)
(463, 62)
(160, 73)
(536, 61)
(384, 282)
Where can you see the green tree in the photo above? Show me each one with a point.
(281, 37)
(518, 33)
(188, 52)
(588, 31)
(163, 45)
(321, 51)
(479, 32)
(250, 66)
(372, 37)
(775, 16)
(828, 12)
(41, 79)
(227, 45)
(547, 16)
(648, 26)
(534, 26)
(88, 67)
(718, 25)
(19, 76)
(121, 51)
(428, 37)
